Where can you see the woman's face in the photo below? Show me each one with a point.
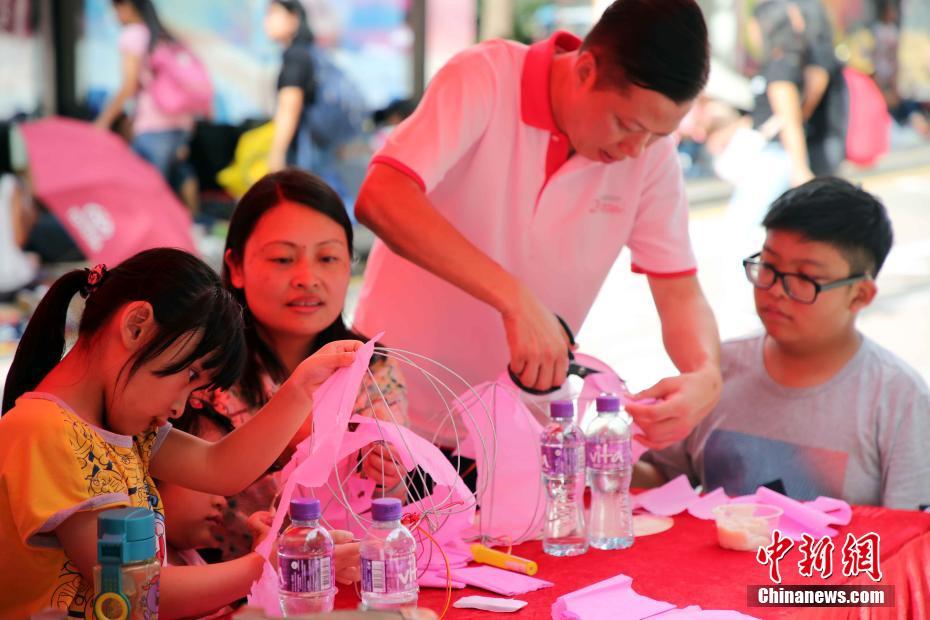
(294, 271)
(125, 12)
(280, 24)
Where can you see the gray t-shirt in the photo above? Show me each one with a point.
(863, 436)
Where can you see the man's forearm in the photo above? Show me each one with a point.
(689, 330)
(397, 210)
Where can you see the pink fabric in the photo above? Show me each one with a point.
(869, 128)
(147, 117)
(312, 465)
(114, 208)
(815, 517)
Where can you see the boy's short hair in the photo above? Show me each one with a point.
(658, 45)
(834, 211)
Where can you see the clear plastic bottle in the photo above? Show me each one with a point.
(610, 468)
(389, 560)
(126, 577)
(306, 572)
(562, 448)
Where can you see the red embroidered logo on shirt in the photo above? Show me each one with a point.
(606, 204)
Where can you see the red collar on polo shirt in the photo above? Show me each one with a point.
(535, 100)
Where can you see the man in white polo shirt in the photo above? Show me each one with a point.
(507, 196)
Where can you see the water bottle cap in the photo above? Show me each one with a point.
(607, 403)
(560, 409)
(386, 509)
(126, 535)
(305, 509)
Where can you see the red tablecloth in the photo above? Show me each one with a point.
(685, 566)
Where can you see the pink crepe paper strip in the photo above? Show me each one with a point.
(512, 501)
(703, 507)
(499, 581)
(602, 600)
(508, 482)
(312, 466)
(694, 611)
(607, 381)
(431, 579)
(800, 518)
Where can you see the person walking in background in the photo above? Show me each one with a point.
(286, 24)
(159, 137)
(799, 102)
(319, 109)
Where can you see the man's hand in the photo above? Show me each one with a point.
(683, 401)
(538, 344)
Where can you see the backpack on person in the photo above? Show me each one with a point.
(180, 82)
(338, 111)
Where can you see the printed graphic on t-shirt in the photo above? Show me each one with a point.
(740, 463)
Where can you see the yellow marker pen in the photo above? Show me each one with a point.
(486, 555)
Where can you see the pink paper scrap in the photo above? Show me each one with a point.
(694, 611)
(498, 580)
(815, 517)
(601, 601)
(670, 499)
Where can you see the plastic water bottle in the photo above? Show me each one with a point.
(563, 470)
(389, 561)
(610, 468)
(306, 572)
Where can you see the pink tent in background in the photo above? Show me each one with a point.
(111, 201)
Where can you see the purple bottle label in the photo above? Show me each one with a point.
(562, 460)
(389, 576)
(608, 454)
(305, 574)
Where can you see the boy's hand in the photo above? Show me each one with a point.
(683, 402)
(313, 371)
(346, 557)
(382, 465)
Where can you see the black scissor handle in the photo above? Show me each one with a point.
(571, 356)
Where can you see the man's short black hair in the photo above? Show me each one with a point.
(659, 45)
(834, 211)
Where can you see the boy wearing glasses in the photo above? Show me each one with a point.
(812, 407)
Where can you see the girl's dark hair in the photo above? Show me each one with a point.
(289, 185)
(296, 8)
(146, 10)
(188, 300)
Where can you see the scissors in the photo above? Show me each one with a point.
(574, 368)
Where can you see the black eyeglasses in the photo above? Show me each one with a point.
(797, 286)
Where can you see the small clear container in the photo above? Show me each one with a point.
(746, 527)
